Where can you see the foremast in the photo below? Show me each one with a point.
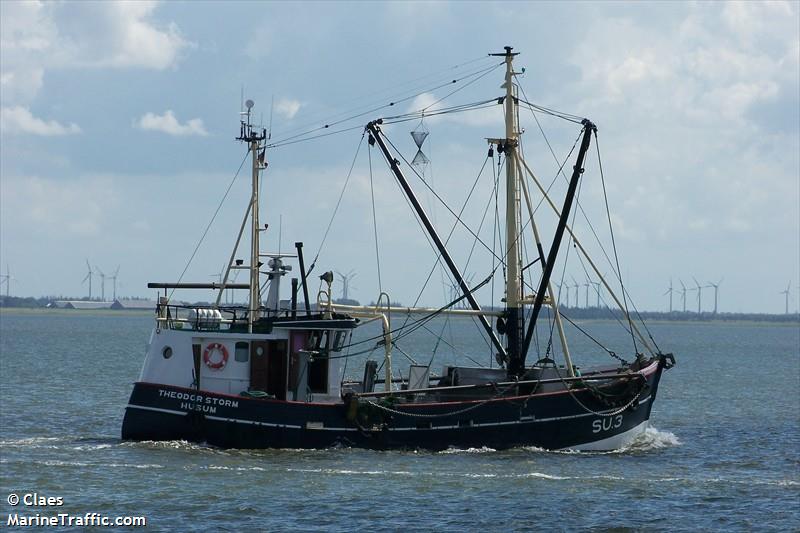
(255, 139)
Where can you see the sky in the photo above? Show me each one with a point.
(118, 125)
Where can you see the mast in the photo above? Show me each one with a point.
(251, 136)
(514, 311)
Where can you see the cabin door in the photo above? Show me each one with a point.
(259, 365)
(268, 367)
(278, 366)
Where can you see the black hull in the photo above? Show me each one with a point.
(554, 420)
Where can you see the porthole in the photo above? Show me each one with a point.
(259, 351)
(166, 352)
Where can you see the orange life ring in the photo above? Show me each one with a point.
(210, 350)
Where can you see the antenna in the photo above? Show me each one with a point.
(271, 108)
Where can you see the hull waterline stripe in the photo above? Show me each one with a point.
(525, 420)
(253, 422)
(156, 409)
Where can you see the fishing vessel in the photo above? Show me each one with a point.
(270, 374)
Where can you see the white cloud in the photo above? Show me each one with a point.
(707, 66)
(77, 209)
(38, 36)
(116, 34)
(168, 123)
(287, 108)
(19, 119)
(21, 84)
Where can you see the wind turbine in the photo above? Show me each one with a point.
(669, 291)
(102, 283)
(114, 279)
(346, 279)
(577, 288)
(566, 286)
(597, 290)
(683, 295)
(7, 279)
(231, 297)
(587, 285)
(786, 293)
(716, 291)
(89, 277)
(699, 290)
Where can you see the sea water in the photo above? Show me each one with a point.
(723, 451)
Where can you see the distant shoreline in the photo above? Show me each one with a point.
(78, 312)
(579, 315)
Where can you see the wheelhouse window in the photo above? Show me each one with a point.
(319, 342)
(327, 340)
(316, 338)
(242, 352)
(339, 340)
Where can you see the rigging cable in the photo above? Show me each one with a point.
(375, 224)
(616, 257)
(447, 240)
(580, 207)
(460, 108)
(338, 202)
(448, 95)
(436, 195)
(449, 235)
(439, 81)
(547, 111)
(296, 138)
(614, 246)
(494, 234)
(210, 222)
(589, 223)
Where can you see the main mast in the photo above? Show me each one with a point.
(514, 312)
